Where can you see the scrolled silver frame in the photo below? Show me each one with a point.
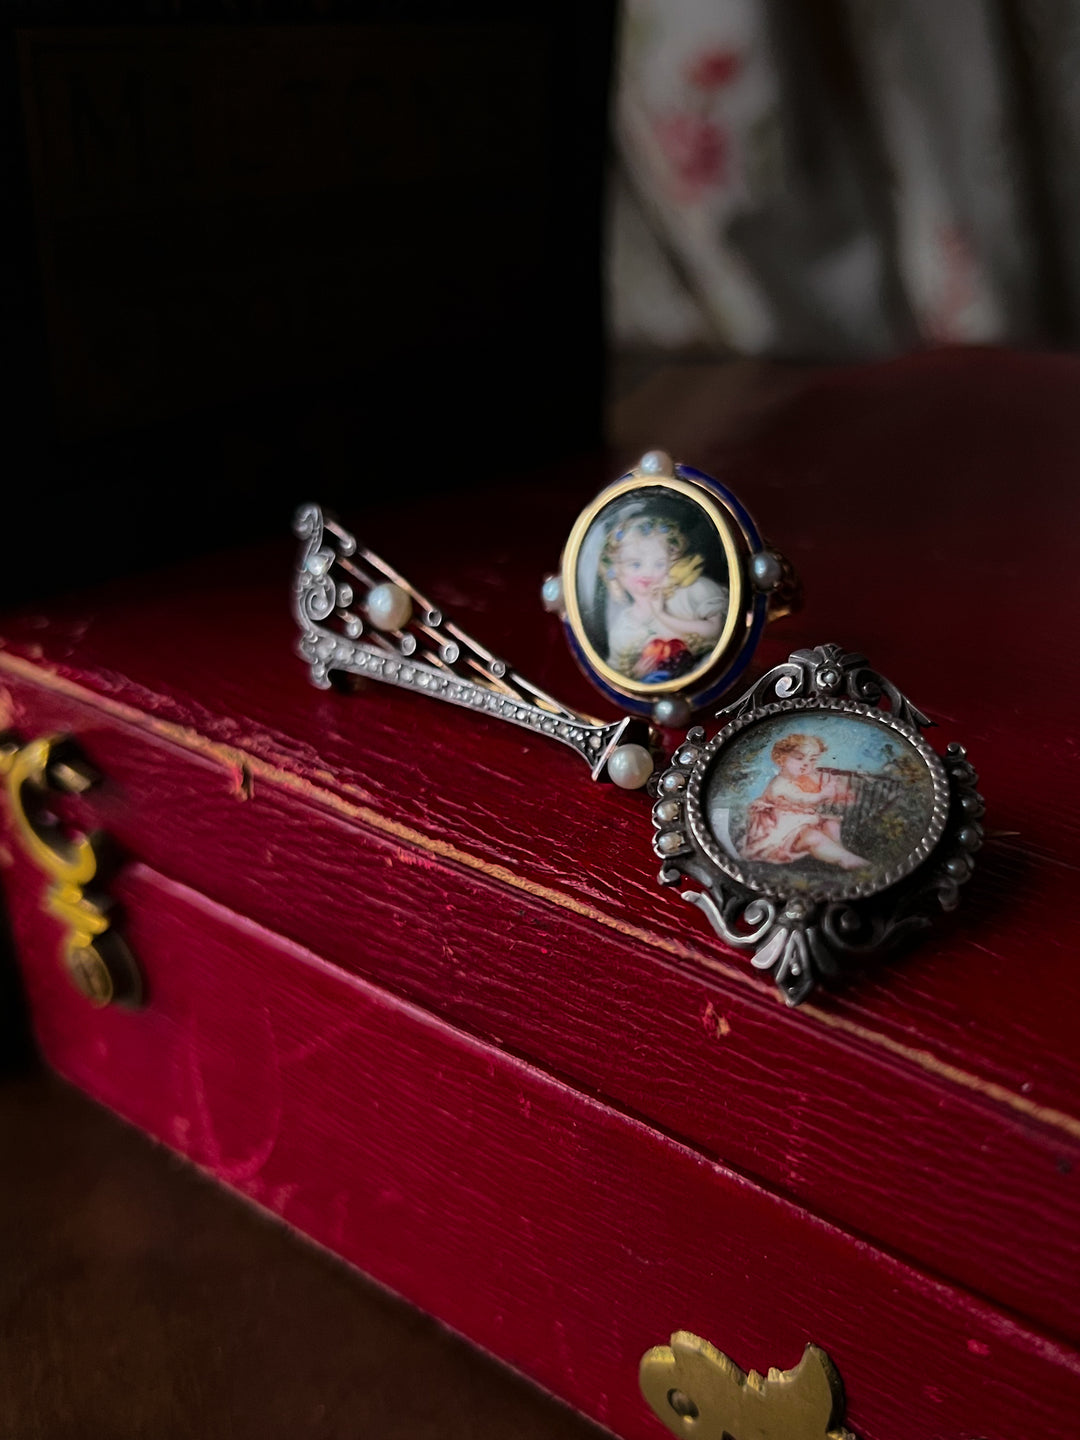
(803, 937)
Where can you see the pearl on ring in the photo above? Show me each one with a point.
(551, 592)
(389, 606)
(630, 766)
(766, 570)
(671, 711)
(656, 462)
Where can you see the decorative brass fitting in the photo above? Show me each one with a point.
(694, 1389)
(99, 963)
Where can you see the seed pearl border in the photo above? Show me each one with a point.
(702, 837)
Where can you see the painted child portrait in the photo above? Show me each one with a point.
(662, 612)
(830, 797)
(799, 811)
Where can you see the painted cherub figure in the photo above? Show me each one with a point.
(791, 818)
(662, 611)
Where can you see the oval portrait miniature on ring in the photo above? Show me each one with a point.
(653, 585)
(820, 802)
(665, 586)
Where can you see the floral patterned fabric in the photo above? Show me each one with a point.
(846, 179)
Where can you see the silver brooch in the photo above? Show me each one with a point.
(358, 616)
(664, 588)
(820, 823)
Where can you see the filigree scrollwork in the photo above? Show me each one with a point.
(315, 590)
(800, 935)
(421, 649)
(826, 671)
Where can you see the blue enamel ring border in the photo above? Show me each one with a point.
(639, 706)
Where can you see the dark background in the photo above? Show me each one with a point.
(260, 253)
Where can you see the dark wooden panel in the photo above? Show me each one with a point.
(257, 250)
(227, 209)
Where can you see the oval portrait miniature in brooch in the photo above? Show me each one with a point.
(828, 803)
(665, 586)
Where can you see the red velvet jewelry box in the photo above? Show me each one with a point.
(411, 986)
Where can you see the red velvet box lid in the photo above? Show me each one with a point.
(932, 1106)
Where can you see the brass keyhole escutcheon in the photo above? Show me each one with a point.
(696, 1391)
(98, 962)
